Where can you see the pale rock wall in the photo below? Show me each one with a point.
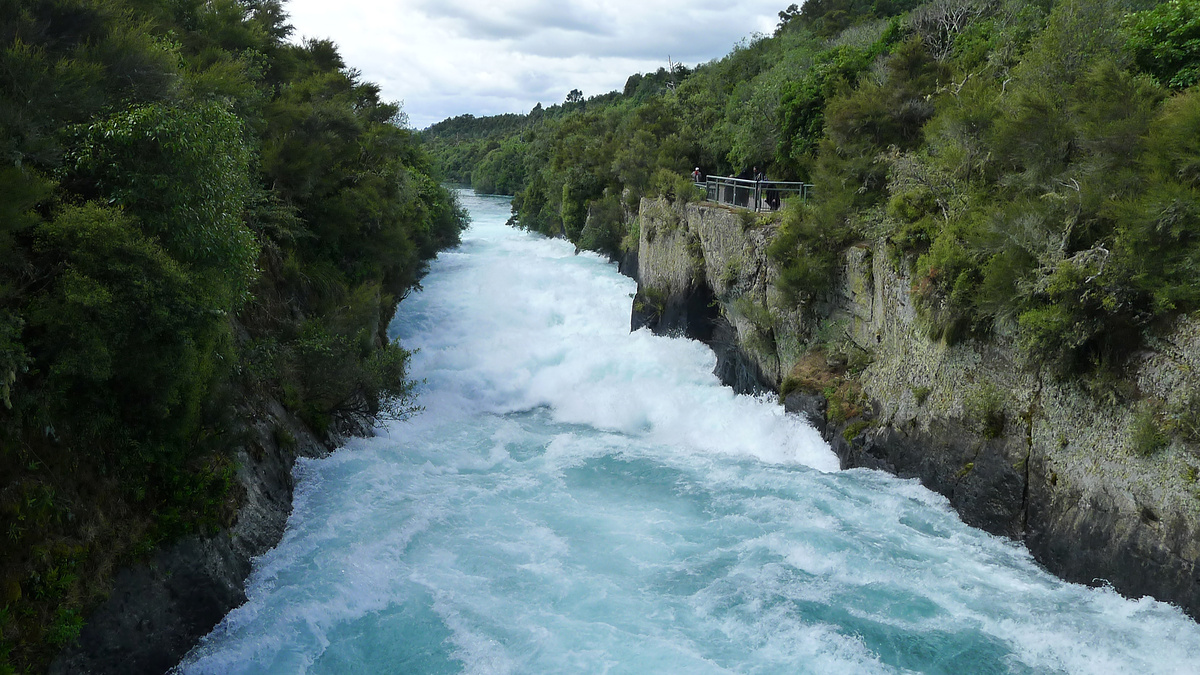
(1061, 476)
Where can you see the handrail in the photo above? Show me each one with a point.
(764, 195)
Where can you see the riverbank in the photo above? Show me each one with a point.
(1016, 451)
(159, 609)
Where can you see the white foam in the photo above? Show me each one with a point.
(520, 331)
(577, 498)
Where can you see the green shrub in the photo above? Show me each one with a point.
(803, 103)
(502, 170)
(651, 301)
(285, 439)
(13, 358)
(1183, 418)
(1165, 42)
(579, 188)
(604, 226)
(845, 400)
(855, 428)
(807, 247)
(947, 278)
(732, 273)
(120, 294)
(184, 172)
(762, 322)
(1173, 146)
(385, 383)
(152, 168)
(1190, 474)
(675, 187)
(631, 240)
(985, 409)
(66, 627)
(1146, 436)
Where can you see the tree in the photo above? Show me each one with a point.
(185, 173)
(786, 17)
(574, 96)
(1166, 42)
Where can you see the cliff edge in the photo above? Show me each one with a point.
(1016, 451)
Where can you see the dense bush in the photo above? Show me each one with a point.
(185, 174)
(1034, 165)
(194, 212)
(1165, 42)
(1073, 233)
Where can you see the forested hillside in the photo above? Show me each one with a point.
(1036, 163)
(194, 211)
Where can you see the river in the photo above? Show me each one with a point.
(576, 498)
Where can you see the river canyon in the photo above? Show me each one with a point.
(575, 497)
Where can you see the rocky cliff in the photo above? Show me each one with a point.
(1017, 452)
(157, 611)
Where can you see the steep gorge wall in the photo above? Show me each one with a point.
(1016, 452)
(158, 610)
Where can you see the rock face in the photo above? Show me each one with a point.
(158, 611)
(1016, 452)
(690, 263)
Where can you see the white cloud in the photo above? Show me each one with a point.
(448, 57)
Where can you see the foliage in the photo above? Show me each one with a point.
(1146, 436)
(807, 248)
(844, 400)
(1165, 42)
(761, 337)
(984, 407)
(194, 213)
(853, 429)
(185, 173)
(828, 18)
(802, 108)
(604, 227)
(1052, 231)
(119, 293)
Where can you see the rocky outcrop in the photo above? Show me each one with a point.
(692, 264)
(1016, 452)
(158, 611)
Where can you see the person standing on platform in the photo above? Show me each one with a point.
(759, 177)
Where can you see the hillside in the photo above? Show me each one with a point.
(1034, 164)
(198, 220)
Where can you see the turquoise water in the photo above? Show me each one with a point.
(579, 499)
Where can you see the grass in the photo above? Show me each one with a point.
(985, 409)
(853, 429)
(1146, 435)
(651, 301)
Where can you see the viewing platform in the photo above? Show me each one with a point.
(760, 196)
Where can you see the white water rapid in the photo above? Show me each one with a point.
(579, 499)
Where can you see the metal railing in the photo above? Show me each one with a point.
(765, 195)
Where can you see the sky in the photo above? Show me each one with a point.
(442, 58)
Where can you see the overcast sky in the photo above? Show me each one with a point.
(448, 57)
